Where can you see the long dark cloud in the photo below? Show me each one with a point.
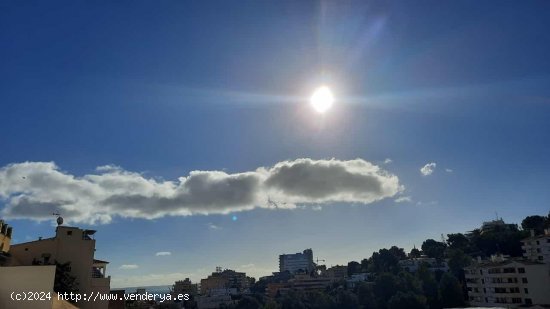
(33, 190)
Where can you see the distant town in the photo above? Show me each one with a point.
(497, 264)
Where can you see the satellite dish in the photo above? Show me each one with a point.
(59, 220)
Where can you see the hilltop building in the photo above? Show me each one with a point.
(185, 287)
(225, 279)
(413, 264)
(298, 262)
(337, 272)
(301, 282)
(493, 226)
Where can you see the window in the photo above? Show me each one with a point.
(509, 270)
(69, 233)
(524, 280)
(528, 301)
(538, 243)
(494, 271)
(516, 300)
(526, 290)
(540, 257)
(521, 270)
(538, 250)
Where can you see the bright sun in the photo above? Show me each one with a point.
(322, 99)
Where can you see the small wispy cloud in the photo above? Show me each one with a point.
(428, 169)
(214, 227)
(403, 199)
(129, 266)
(448, 170)
(429, 203)
(163, 253)
(317, 208)
(388, 161)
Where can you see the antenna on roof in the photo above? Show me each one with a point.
(59, 218)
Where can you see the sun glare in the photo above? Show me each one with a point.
(322, 99)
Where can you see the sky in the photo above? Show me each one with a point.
(183, 133)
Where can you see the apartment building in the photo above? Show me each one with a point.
(337, 272)
(508, 283)
(73, 245)
(297, 262)
(413, 264)
(225, 279)
(537, 248)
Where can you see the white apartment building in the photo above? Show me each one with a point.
(537, 248)
(297, 262)
(508, 283)
(413, 264)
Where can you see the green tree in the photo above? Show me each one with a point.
(430, 287)
(353, 268)
(386, 285)
(457, 261)
(346, 299)
(317, 299)
(64, 282)
(386, 260)
(415, 253)
(536, 223)
(458, 241)
(450, 291)
(434, 249)
(365, 295)
(248, 302)
(364, 265)
(407, 300)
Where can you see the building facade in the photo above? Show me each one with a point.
(412, 265)
(508, 283)
(225, 279)
(73, 245)
(298, 262)
(337, 272)
(537, 248)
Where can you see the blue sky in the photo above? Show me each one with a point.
(161, 90)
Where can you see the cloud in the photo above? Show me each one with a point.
(428, 203)
(34, 190)
(428, 169)
(403, 199)
(212, 226)
(129, 266)
(448, 170)
(163, 253)
(388, 161)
